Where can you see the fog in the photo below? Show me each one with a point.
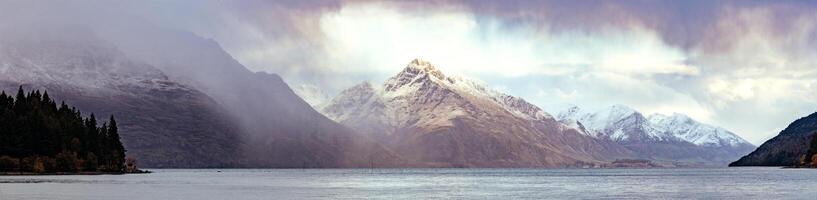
(747, 66)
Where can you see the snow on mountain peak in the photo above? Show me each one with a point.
(686, 128)
(420, 66)
(421, 80)
(620, 110)
(618, 122)
(420, 63)
(418, 73)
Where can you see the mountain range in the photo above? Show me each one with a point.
(182, 101)
(659, 137)
(429, 117)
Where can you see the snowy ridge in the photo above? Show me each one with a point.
(429, 116)
(415, 78)
(82, 64)
(686, 128)
(624, 124)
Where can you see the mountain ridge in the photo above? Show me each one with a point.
(427, 116)
(672, 138)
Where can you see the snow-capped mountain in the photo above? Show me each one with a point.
(84, 61)
(623, 124)
(428, 117)
(618, 123)
(649, 135)
(687, 129)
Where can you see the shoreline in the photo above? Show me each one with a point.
(69, 173)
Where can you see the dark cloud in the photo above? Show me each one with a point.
(743, 52)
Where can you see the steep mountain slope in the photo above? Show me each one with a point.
(428, 117)
(786, 148)
(659, 137)
(282, 130)
(163, 123)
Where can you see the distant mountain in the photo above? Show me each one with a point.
(163, 123)
(786, 148)
(659, 137)
(433, 119)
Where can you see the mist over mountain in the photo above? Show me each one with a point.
(281, 129)
(163, 123)
(182, 100)
(185, 102)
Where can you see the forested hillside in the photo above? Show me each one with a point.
(38, 135)
(789, 148)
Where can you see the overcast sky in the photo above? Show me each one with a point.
(750, 67)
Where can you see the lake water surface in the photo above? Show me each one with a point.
(233, 184)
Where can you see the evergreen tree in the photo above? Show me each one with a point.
(118, 151)
(37, 135)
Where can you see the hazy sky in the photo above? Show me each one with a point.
(750, 67)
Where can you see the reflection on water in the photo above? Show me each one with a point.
(718, 183)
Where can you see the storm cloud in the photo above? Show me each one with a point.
(748, 66)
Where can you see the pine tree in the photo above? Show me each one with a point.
(19, 103)
(45, 137)
(118, 151)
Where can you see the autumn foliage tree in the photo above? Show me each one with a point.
(38, 135)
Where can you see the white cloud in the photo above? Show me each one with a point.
(612, 66)
(363, 37)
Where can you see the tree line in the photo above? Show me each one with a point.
(40, 136)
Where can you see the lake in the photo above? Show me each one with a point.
(714, 183)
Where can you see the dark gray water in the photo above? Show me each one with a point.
(718, 183)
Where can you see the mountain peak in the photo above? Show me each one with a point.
(419, 62)
(419, 65)
(417, 71)
(620, 110)
(676, 117)
(682, 117)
